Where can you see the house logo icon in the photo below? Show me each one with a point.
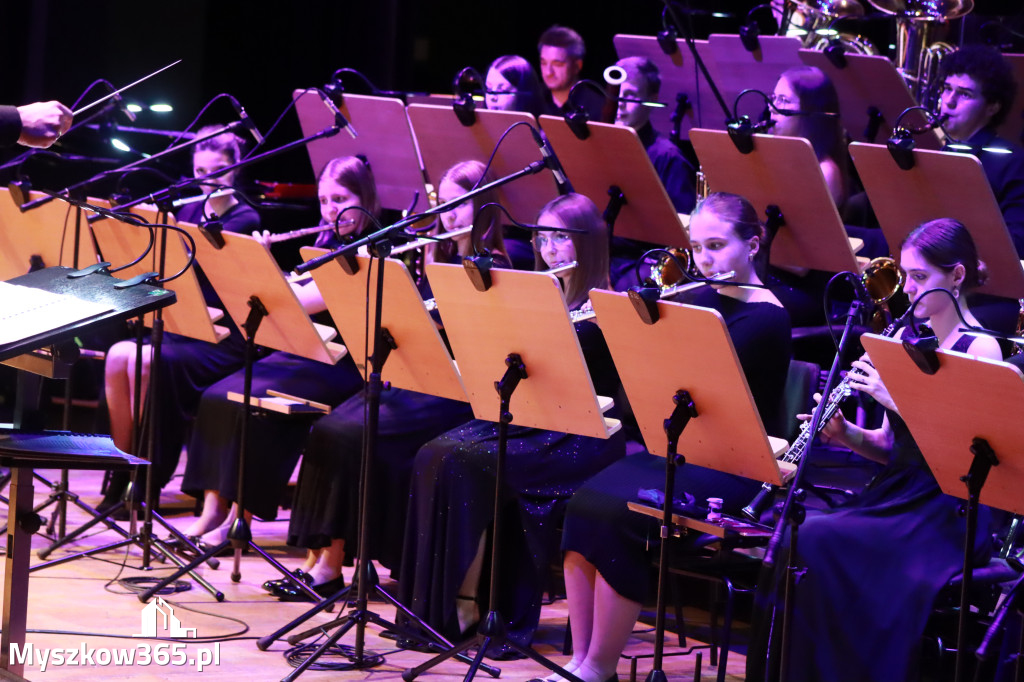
(158, 620)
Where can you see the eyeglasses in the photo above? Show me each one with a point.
(783, 101)
(558, 239)
(961, 93)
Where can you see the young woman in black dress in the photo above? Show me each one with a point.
(188, 366)
(452, 491)
(275, 441)
(324, 515)
(607, 547)
(874, 565)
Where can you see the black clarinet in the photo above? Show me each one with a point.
(840, 393)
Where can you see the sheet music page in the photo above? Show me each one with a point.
(27, 311)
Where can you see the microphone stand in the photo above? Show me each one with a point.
(175, 189)
(793, 513)
(381, 241)
(78, 187)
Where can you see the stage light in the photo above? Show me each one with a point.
(161, 108)
(118, 144)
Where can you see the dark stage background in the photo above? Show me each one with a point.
(260, 51)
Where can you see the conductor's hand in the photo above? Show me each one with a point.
(43, 122)
(834, 430)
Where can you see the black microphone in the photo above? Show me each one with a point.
(249, 124)
(339, 118)
(860, 290)
(901, 143)
(552, 162)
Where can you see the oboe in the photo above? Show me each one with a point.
(841, 392)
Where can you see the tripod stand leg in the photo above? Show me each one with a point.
(343, 627)
(97, 518)
(413, 673)
(264, 642)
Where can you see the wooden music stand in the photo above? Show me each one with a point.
(735, 69)
(689, 395)
(871, 82)
(122, 243)
(542, 382)
(444, 141)
(941, 185)
(384, 138)
(688, 348)
(484, 327)
(46, 231)
(414, 358)
(679, 76)
(963, 419)
(782, 172)
(244, 269)
(613, 162)
(263, 305)
(58, 449)
(420, 362)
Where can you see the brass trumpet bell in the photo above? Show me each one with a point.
(882, 278)
(666, 273)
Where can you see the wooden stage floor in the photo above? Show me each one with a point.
(81, 603)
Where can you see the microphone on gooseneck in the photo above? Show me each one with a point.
(249, 124)
(552, 162)
(339, 118)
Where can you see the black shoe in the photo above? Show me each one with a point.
(293, 593)
(304, 577)
(180, 547)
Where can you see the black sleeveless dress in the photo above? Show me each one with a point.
(874, 567)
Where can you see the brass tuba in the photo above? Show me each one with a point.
(920, 25)
(813, 20)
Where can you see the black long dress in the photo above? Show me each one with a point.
(326, 500)
(598, 523)
(874, 567)
(327, 494)
(451, 506)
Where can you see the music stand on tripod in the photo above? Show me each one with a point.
(972, 448)
(445, 141)
(408, 353)
(385, 140)
(872, 95)
(797, 203)
(262, 303)
(691, 401)
(143, 538)
(612, 167)
(544, 370)
(935, 188)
